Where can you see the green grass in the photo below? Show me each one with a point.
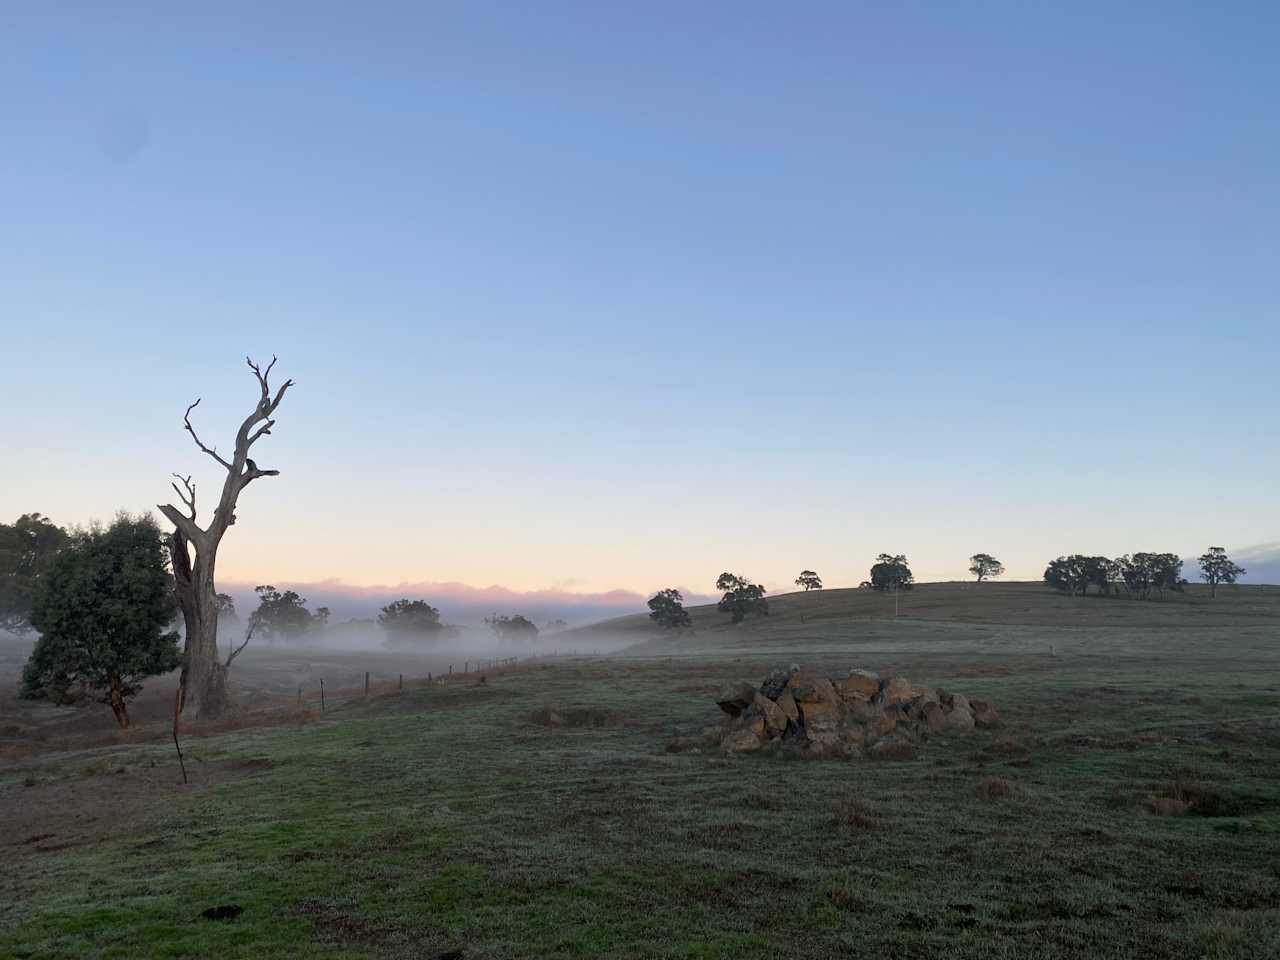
(447, 819)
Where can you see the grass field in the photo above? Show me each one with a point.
(1128, 807)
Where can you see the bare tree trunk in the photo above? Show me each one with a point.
(204, 677)
(118, 706)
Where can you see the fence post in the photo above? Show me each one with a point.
(402, 683)
(299, 698)
(366, 683)
(322, 696)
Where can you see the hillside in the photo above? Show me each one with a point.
(954, 610)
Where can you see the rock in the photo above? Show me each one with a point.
(895, 690)
(862, 710)
(913, 709)
(808, 687)
(984, 714)
(775, 721)
(960, 720)
(775, 683)
(859, 685)
(787, 703)
(821, 719)
(959, 702)
(854, 734)
(932, 716)
(885, 723)
(735, 697)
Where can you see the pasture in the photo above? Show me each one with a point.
(1129, 806)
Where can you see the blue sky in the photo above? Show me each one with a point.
(590, 297)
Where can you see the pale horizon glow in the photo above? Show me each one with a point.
(588, 299)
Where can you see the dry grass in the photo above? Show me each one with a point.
(855, 812)
(1007, 745)
(993, 788)
(1184, 797)
(894, 750)
(553, 716)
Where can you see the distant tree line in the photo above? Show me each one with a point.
(1140, 576)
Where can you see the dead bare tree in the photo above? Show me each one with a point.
(194, 550)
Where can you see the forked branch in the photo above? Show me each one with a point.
(189, 498)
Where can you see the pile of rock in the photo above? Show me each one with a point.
(850, 716)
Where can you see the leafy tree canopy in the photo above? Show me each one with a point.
(27, 547)
(1216, 567)
(891, 572)
(1076, 573)
(515, 628)
(103, 607)
(226, 607)
(410, 617)
(808, 580)
(741, 597)
(983, 565)
(283, 615)
(666, 608)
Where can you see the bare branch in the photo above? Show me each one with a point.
(189, 498)
(186, 418)
(184, 523)
(236, 652)
(253, 472)
(265, 428)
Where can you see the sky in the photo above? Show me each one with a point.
(592, 297)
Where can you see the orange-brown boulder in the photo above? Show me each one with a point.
(896, 690)
(859, 685)
(775, 720)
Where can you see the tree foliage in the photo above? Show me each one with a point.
(890, 572)
(103, 608)
(1139, 575)
(27, 548)
(283, 614)
(808, 580)
(1076, 573)
(1147, 573)
(226, 607)
(513, 629)
(1216, 567)
(983, 565)
(410, 620)
(666, 608)
(741, 598)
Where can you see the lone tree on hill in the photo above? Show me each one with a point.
(410, 620)
(983, 565)
(891, 573)
(27, 548)
(666, 608)
(204, 677)
(808, 580)
(512, 628)
(741, 597)
(1216, 567)
(103, 609)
